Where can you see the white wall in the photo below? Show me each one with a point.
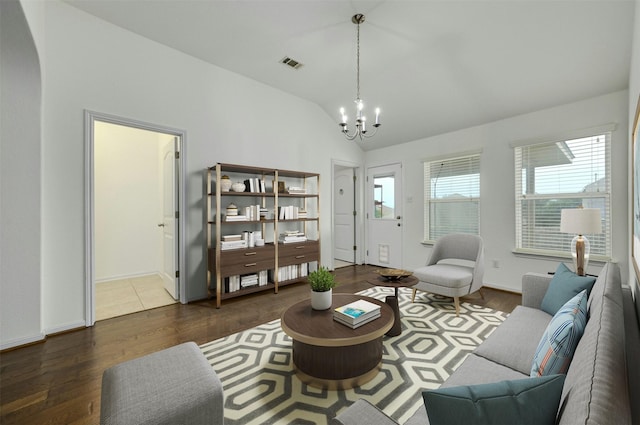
(128, 201)
(497, 216)
(20, 187)
(90, 64)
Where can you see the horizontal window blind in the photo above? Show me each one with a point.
(452, 196)
(558, 175)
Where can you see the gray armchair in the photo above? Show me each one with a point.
(455, 268)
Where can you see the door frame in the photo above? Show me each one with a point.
(359, 205)
(90, 117)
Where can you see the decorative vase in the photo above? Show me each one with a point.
(238, 187)
(225, 183)
(321, 300)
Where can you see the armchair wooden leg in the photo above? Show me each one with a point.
(413, 295)
(456, 301)
(481, 294)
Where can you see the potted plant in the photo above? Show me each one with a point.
(322, 282)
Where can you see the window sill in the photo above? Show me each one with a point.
(558, 256)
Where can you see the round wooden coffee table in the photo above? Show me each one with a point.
(392, 300)
(328, 354)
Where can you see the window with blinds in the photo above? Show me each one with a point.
(553, 176)
(452, 196)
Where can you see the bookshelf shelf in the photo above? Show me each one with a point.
(231, 263)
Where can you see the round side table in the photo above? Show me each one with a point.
(392, 300)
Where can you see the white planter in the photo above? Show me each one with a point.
(321, 300)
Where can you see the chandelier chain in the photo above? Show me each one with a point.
(358, 62)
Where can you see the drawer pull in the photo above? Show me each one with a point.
(250, 253)
(250, 264)
(300, 247)
(299, 256)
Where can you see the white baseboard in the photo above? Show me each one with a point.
(127, 276)
(65, 328)
(21, 341)
(502, 288)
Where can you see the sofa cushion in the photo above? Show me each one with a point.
(514, 342)
(523, 401)
(564, 285)
(450, 275)
(561, 338)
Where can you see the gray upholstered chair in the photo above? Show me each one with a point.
(455, 268)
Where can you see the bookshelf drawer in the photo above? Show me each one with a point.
(247, 267)
(290, 260)
(293, 249)
(247, 255)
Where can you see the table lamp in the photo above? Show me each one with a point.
(581, 221)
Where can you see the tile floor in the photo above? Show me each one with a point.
(125, 296)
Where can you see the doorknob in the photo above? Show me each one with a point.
(160, 224)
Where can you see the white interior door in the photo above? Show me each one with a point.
(384, 216)
(344, 230)
(169, 219)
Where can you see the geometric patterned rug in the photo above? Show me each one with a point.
(260, 386)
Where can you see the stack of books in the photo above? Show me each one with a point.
(248, 280)
(292, 236)
(235, 217)
(232, 242)
(297, 190)
(357, 313)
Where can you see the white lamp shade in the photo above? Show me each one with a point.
(581, 221)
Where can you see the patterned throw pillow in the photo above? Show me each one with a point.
(564, 285)
(561, 338)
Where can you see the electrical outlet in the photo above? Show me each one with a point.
(496, 263)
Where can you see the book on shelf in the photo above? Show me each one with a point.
(235, 218)
(294, 271)
(357, 312)
(252, 212)
(293, 236)
(255, 184)
(297, 190)
(225, 245)
(232, 283)
(230, 238)
(248, 280)
(290, 212)
(358, 324)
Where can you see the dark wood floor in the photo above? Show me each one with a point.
(58, 381)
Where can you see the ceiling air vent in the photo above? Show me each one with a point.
(291, 62)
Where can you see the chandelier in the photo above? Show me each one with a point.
(361, 120)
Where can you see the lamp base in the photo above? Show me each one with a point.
(580, 249)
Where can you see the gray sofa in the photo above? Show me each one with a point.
(599, 386)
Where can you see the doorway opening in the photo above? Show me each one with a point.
(134, 236)
(346, 220)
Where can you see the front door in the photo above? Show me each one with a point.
(384, 215)
(169, 218)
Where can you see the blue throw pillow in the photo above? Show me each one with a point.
(564, 285)
(532, 401)
(561, 338)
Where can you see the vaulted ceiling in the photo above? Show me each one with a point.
(431, 66)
